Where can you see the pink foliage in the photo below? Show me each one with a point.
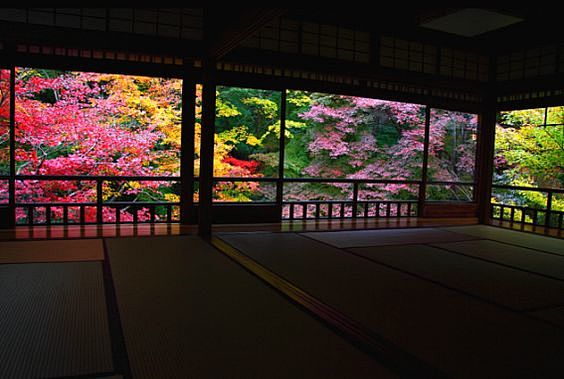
(345, 142)
(84, 130)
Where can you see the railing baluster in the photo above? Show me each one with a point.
(99, 196)
(135, 214)
(548, 209)
(355, 199)
(76, 213)
(291, 211)
(358, 208)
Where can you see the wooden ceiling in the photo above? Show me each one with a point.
(540, 25)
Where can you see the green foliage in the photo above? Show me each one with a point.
(295, 158)
(262, 107)
(534, 153)
(246, 120)
(519, 118)
(530, 153)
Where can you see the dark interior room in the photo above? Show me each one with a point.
(227, 192)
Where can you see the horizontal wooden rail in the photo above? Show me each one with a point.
(535, 189)
(129, 211)
(527, 215)
(547, 216)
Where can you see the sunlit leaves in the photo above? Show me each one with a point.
(76, 123)
(530, 153)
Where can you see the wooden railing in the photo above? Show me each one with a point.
(96, 212)
(546, 216)
(331, 209)
(65, 213)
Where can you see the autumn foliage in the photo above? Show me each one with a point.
(92, 124)
(86, 124)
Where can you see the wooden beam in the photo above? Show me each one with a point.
(227, 29)
(89, 39)
(272, 82)
(371, 71)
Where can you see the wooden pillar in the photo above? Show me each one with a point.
(206, 150)
(187, 150)
(423, 183)
(484, 164)
(12, 182)
(281, 152)
(486, 144)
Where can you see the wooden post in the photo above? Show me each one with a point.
(12, 181)
(206, 150)
(187, 149)
(99, 202)
(423, 182)
(484, 164)
(281, 146)
(486, 142)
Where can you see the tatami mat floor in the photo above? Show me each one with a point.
(468, 301)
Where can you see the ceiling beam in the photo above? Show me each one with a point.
(227, 29)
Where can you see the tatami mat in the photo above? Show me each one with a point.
(361, 238)
(51, 251)
(460, 335)
(495, 283)
(53, 320)
(189, 311)
(533, 241)
(519, 257)
(554, 315)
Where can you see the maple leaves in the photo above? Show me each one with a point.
(74, 123)
(360, 138)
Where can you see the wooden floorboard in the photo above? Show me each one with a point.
(150, 230)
